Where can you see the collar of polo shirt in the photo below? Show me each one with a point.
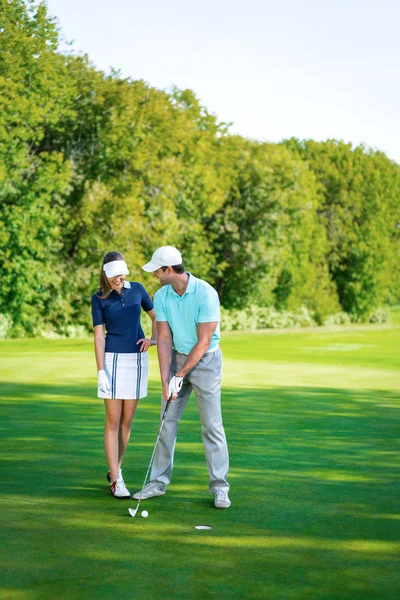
(190, 286)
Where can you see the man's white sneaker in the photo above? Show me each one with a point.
(152, 489)
(119, 489)
(222, 499)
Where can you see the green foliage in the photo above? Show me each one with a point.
(91, 163)
(266, 236)
(32, 182)
(360, 208)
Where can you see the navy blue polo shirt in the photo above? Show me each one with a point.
(120, 313)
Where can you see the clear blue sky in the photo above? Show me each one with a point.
(275, 68)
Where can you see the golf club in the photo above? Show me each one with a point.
(133, 511)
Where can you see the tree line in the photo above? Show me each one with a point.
(91, 162)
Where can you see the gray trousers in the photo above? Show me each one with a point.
(205, 380)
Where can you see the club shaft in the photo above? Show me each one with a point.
(155, 448)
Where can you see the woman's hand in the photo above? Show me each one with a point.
(146, 343)
(103, 383)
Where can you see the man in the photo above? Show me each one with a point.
(187, 313)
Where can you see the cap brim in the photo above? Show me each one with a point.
(150, 267)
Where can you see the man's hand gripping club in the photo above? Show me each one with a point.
(174, 387)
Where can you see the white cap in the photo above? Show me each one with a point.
(166, 256)
(115, 267)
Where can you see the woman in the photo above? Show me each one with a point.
(121, 357)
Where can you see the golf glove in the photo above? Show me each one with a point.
(103, 383)
(175, 386)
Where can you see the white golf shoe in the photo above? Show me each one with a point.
(222, 499)
(108, 476)
(152, 489)
(119, 490)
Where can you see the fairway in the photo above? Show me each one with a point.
(312, 420)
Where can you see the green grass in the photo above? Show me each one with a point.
(312, 420)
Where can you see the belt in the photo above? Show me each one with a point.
(208, 351)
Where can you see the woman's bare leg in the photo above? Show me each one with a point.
(111, 434)
(128, 411)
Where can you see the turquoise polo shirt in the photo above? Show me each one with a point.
(199, 304)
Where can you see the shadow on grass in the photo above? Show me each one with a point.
(315, 483)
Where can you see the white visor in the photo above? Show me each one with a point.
(115, 267)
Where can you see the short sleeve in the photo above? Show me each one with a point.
(97, 311)
(209, 311)
(159, 307)
(146, 302)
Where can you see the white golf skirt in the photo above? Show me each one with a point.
(127, 375)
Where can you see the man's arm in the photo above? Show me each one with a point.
(204, 334)
(164, 351)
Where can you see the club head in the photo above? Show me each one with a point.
(132, 512)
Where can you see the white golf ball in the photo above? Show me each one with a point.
(144, 514)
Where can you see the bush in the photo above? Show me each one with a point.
(5, 326)
(340, 318)
(256, 317)
(77, 332)
(380, 315)
(71, 331)
(49, 334)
